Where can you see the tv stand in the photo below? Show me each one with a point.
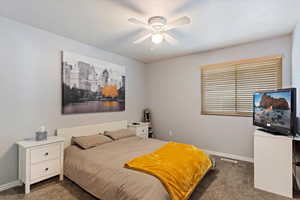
(271, 132)
(273, 162)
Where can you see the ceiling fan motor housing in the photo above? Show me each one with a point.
(157, 22)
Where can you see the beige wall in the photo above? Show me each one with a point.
(173, 95)
(296, 67)
(30, 88)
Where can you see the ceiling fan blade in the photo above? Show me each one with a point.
(181, 21)
(136, 21)
(170, 39)
(139, 22)
(178, 22)
(143, 38)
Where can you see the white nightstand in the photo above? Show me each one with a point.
(141, 129)
(39, 160)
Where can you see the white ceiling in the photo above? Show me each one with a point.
(103, 23)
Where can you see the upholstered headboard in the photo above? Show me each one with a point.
(67, 133)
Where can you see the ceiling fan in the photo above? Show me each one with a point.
(158, 27)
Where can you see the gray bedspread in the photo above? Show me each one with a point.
(100, 170)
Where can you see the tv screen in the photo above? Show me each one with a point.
(275, 110)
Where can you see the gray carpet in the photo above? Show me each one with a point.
(227, 182)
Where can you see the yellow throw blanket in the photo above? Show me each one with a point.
(179, 167)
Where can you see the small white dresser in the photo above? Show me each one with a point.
(39, 160)
(140, 129)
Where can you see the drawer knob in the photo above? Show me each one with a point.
(46, 154)
(47, 169)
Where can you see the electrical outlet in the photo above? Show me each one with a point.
(170, 133)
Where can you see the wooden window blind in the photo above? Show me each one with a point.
(227, 88)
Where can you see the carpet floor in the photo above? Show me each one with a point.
(227, 182)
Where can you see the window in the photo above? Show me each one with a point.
(227, 88)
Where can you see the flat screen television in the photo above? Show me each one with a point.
(275, 111)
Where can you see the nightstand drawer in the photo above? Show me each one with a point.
(44, 169)
(142, 130)
(45, 153)
(142, 134)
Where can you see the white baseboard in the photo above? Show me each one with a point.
(10, 185)
(228, 155)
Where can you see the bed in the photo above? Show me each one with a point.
(100, 170)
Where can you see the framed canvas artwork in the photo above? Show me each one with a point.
(90, 85)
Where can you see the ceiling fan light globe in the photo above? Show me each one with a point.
(157, 38)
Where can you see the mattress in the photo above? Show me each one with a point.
(100, 170)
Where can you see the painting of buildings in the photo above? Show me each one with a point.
(90, 85)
